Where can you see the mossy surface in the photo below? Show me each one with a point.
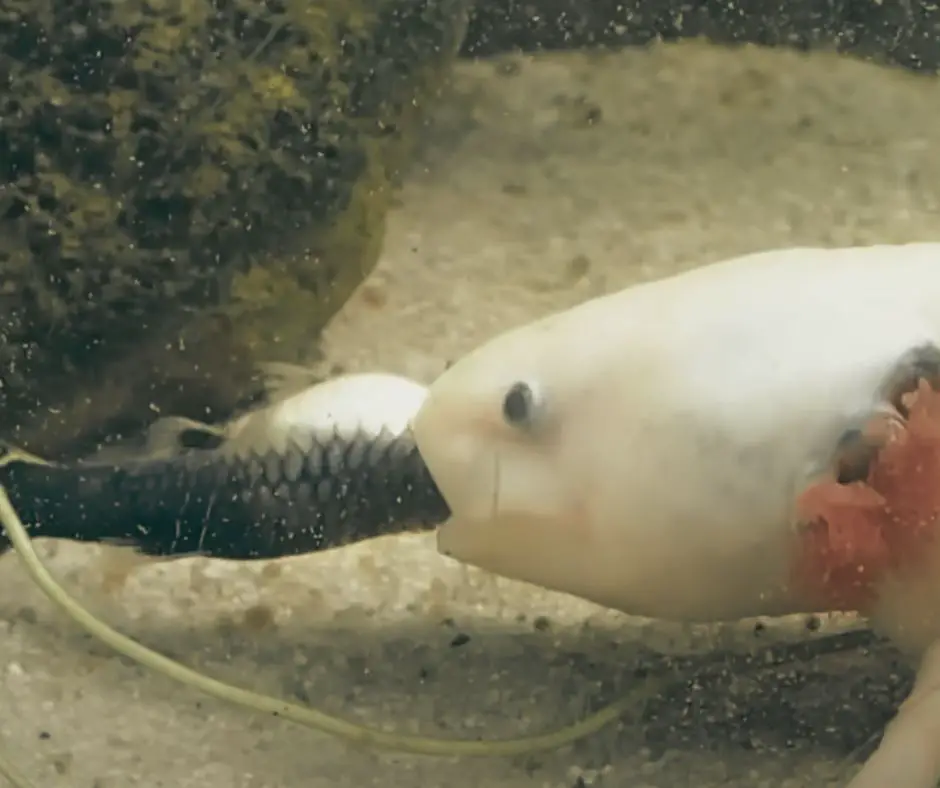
(164, 165)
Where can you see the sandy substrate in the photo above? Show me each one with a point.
(546, 181)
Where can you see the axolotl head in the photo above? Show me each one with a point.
(509, 434)
(569, 453)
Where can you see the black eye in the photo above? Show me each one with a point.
(519, 404)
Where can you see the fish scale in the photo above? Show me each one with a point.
(316, 494)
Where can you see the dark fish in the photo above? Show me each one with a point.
(312, 472)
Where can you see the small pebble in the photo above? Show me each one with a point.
(461, 639)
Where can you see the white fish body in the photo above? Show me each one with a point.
(369, 402)
(675, 424)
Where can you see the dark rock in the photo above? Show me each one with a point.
(895, 31)
(189, 186)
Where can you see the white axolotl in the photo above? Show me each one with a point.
(646, 450)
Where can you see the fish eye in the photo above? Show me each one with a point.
(520, 404)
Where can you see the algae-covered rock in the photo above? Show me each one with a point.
(189, 186)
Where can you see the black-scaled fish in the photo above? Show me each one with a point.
(320, 466)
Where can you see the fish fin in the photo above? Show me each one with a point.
(172, 434)
(165, 438)
(280, 379)
(139, 549)
(158, 555)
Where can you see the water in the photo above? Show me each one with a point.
(546, 179)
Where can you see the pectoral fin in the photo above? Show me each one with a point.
(280, 380)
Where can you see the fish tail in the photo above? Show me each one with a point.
(150, 505)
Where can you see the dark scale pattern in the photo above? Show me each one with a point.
(318, 494)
